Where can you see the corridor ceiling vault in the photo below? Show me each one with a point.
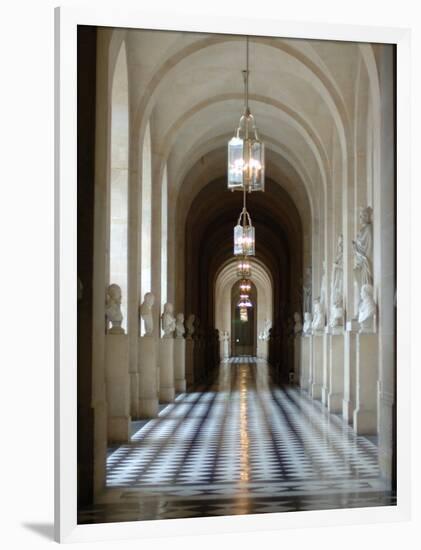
(156, 110)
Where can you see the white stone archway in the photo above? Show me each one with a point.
(225, 280)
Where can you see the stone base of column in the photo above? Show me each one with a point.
(119, 429)
(317, 365)
(316, 391)
(334, 403)
(134, 394)
(297, 357)
(166, 370)
(336, 371)
(365, 414)
(305, 358)
(347, 411)
(147, 357)
(262, 349)
(180, 364)
(117, 387)
(189, 361)
(325, 369)
(365, 422)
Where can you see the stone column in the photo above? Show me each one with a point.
(118, 387)
(317, 365)
(148, 394)
(305, 360)
(189, 361)
(350, 351)
(336, 370)
(365, 413)
(166, 369)
(297, 357)
(180, 364)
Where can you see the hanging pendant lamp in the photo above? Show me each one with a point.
(246, 152)
(245, 286)
(244, 241)
(244, 302)
(244, 269)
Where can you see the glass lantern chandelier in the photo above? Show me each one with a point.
(244, 303)
(244, 241)
(244, 269)
(245, 286)
(246, 152)
(243, 315)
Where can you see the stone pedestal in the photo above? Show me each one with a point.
(325, 369)
(263, 349)
(189, 361)
(166, 370)
(134, 394)
(317, 365)
(148, 395)
(117, 387)
(350, 354)
(297, 357)
(336, 371)
(225, 349)
(180, 364)
(365, 413)
(305, 362)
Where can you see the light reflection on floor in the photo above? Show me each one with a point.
(242, 446)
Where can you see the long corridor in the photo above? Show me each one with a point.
(240, 446)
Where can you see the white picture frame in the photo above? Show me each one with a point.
(66, 21)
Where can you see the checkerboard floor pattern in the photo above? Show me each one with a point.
(275, 448)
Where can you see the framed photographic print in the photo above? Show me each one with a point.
(232, 274)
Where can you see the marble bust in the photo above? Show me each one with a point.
(168, 320)
(146, 313)
(190, 325)
(298, 327)
(307, 323)
(113, 309)
(179, 325)
(318, 323)
(367, 308)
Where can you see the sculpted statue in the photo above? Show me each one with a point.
(264, 334)
(307, 291)
(323, 288)
(179, 325)
(298, 327)
(363, 249)
(367, 308)
(190, 325)
(146, 313)
(336, 298)
(113, 309)
(168, 321)
(307, 323)
(318, 315)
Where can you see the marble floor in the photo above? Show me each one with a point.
(240, 446)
